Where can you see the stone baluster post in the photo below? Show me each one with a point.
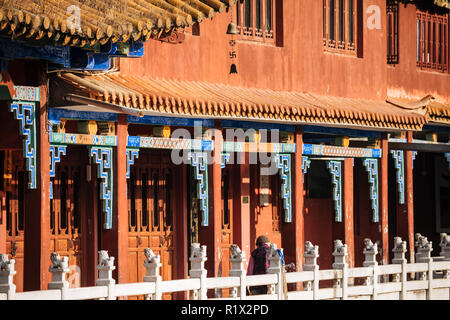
(445, 251)
(423, 252)
(399, 251)
(7, 273)
(340, 263)
(198, 259)
(275, 266)
(370, 253)
(105, 268)
(311, 254)
(237, 259)
(152, 264)
(59, 270)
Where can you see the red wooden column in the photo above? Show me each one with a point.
(298, 218)
(2, 222)
(121, 199)
(409, 193)
(384, 204)
(115, 240)
(37, 206)
(405, 212)
(348, 211)
(241, 203)
(181, 225)
(211, 235)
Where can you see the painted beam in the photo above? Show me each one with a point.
(337, 151)
(422, 146)
(257, 125)
(341, 131)
(229, 146)
(436, 128)
(83, 139)
(171, 121)
(169, 143)
(124, 50)
(56, 114)
(10, 49)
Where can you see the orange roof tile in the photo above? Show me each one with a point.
(81, 23)
(435, 111)
(225, 101)
(438, 112)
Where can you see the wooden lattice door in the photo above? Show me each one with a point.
(66, 208)
(227, 219)
(151, 209)
(16, 184)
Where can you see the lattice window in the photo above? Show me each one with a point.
(339, 24)
(432, 41)
(65, 216)
(392, 14)
(255, 20)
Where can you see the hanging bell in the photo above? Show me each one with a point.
(232, 28)
(233, 69)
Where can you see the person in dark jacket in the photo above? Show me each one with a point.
(259, 262)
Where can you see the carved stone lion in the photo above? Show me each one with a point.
(5, 264)
(311, 249)
(57, 261)
(370, 246)
(151, 257)
(421, 241)
(399, 244)
(197, 251)
(104, 259)
(236, 252)
(445, 240)
(339, 247)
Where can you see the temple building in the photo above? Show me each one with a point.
(111, 112)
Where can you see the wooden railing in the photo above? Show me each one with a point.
(428, 279)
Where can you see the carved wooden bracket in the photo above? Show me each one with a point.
(173, 37)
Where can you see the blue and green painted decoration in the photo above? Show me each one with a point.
(283, 162)
(335, 168)
(24, 108)
(371, 166)
(398, 156)
(199, 162)
(56, 151)
(103, 157)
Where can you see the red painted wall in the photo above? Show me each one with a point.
(301, 64)
(319, 217)
(405, 78)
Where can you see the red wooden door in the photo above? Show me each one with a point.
(15, 214)
(73, 215)
(151, 209)
(227, 219)
(265, 206)
(65, 215)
